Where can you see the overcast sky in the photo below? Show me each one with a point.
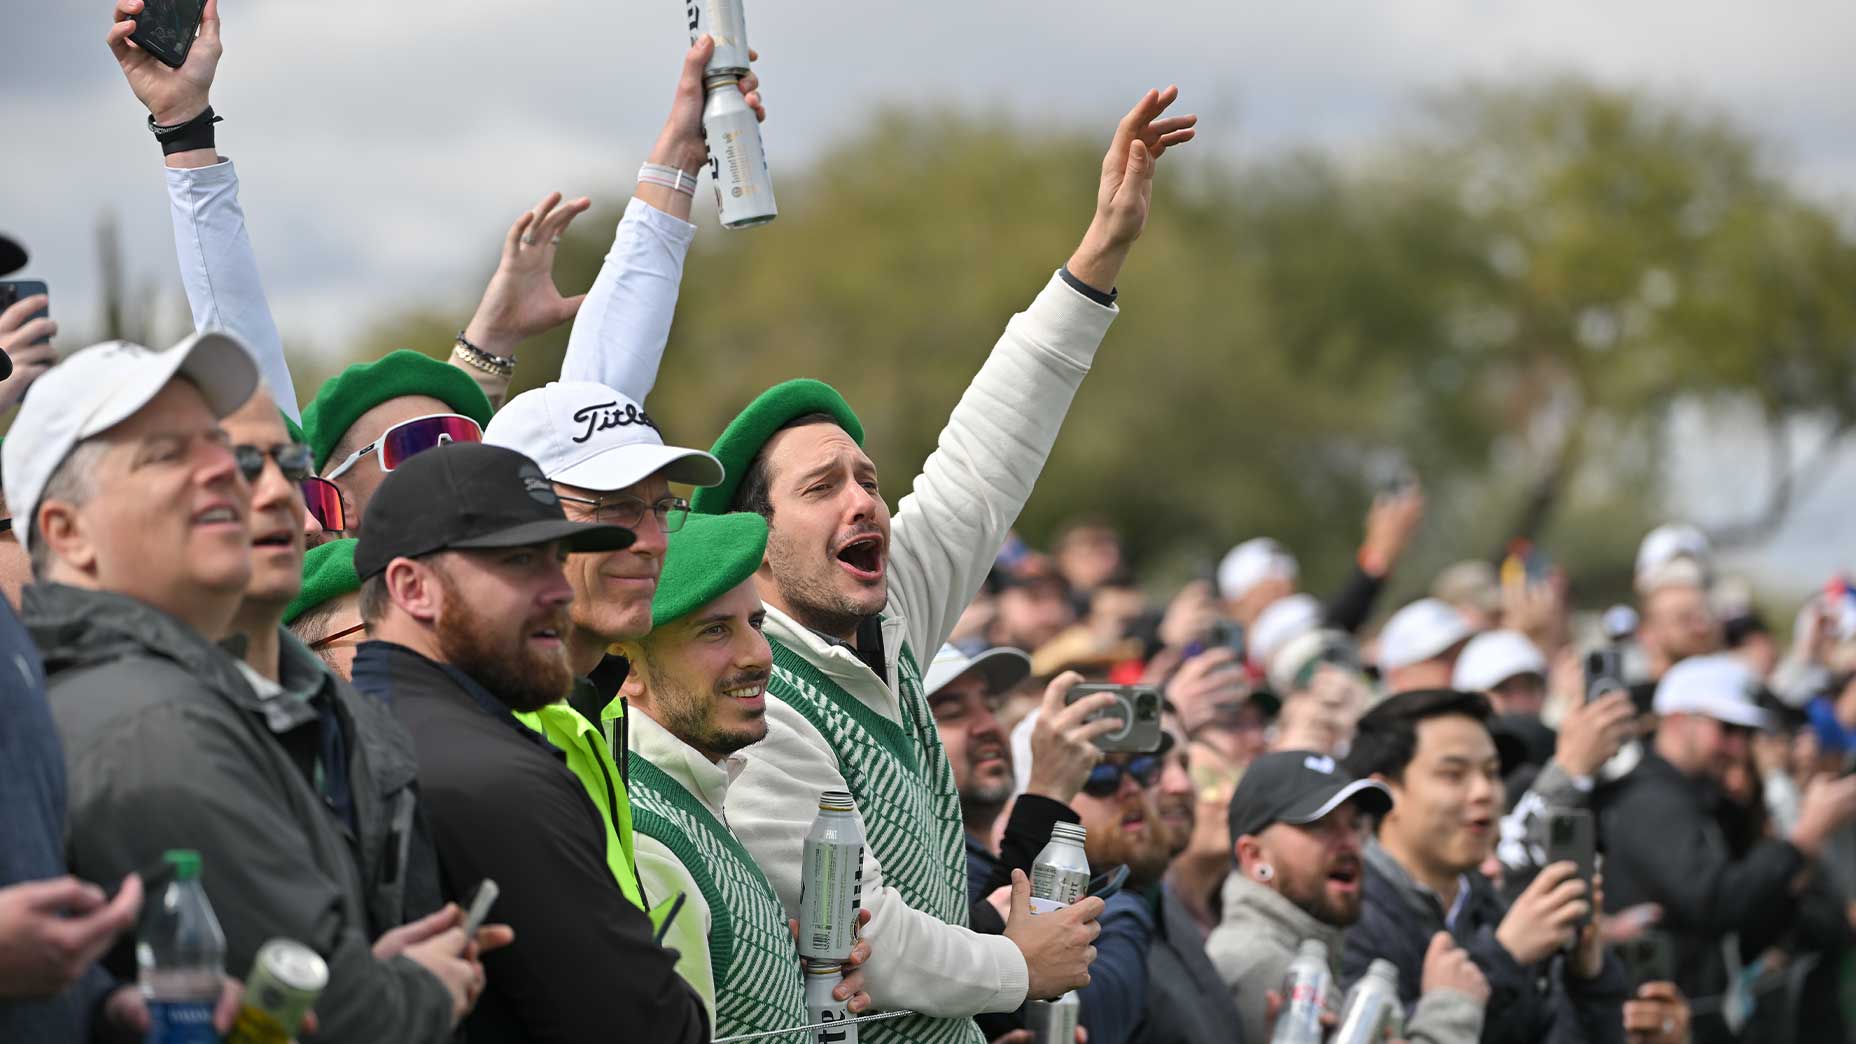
(384, 146)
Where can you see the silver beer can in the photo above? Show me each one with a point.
(286, 978)
(1373, 1014)
(737, 161)
(727, 22)
(822, 977)
(831, 880)
(1053, 1021)
(1060, 874)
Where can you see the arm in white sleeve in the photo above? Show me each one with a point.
(619, 336)
(663, 877)
(220, 271)
(948, 530)
(916, 961)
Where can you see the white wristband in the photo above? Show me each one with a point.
(673, 178)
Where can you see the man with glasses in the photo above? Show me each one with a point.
(374, 416)
(326, 613)
(1298, 823)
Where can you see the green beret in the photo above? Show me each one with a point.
(709, 557)
(363, 386)
(328, 573)
(295, 429)
(752, 427)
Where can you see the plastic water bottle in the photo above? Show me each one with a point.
(181, 954)
(1307, 990)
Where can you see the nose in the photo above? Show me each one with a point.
(1130, 787)
(983, 724)
(758, 655)
(555, 590)
(217, 465)
(862, 503)
(649, 538)
(312, 526)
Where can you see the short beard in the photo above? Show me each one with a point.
(808, 592)
(982, 800)
(1316, 905)
(690, 715)
(523, 678)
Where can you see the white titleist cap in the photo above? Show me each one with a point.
(1285, 620)
(1252, 562)
(1720, 686)
(95, 389)
(587, 435)
(1421, 631)
(1676, 553)
(1494, 657)
(1003, 667)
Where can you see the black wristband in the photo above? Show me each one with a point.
(196, 133)
(1105, 300)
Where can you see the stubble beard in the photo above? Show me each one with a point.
(805, 583)
(522, 677)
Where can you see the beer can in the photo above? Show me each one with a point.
(831, 880)
(1053, 1021)
(1373, 1014)
(737, 161)
(727, 22)
(286, 978)
(1060, 874)
(822, 977)
(1307, 991)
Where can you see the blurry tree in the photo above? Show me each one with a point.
(1508, 296)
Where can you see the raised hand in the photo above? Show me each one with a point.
(1543, 920)
(173, 96)
(681, 143)
(1592, 732)
(522, 299)
(28, 343)
(1127, 186)
(1063, 748)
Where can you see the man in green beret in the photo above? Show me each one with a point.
(371, 417)
(699, 679)
(326, 614)
(846, 708)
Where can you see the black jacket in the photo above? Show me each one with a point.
(503, 805)
(1187, 1001)
(1526, 1005)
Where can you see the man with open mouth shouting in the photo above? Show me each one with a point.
(854, 605)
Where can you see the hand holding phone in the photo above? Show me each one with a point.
(1572, 837)
(1137, 707)
(169, 51)
(480, 904)
(166, 29)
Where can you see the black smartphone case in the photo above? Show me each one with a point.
(166, 32)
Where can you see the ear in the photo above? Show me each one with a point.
(415, 590)
(62, 530)
(638, 678)
(1248, 851)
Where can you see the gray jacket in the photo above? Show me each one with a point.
(1257, 939)
(167, 746)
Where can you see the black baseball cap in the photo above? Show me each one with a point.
(1298, 787)
(470, 496)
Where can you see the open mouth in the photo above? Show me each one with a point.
(1345, 874)
(862, 557)
(550, 636)
(1480, 825)
(219, 514)
(1134, 822)
(747, 693)
(277, 539)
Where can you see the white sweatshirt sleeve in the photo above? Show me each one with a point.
(917, 961)
(951, 525)
(220, 271)
(663, 876)
(619, 336)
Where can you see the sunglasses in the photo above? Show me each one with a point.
(331, 639)
(623, 509)
(1105, 779)
(324, 502)
(293, 459)
(410, 438)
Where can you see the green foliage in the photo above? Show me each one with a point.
(1508, 296)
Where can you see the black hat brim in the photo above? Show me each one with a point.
(578, 536)
(12, 256)
(1372, 796)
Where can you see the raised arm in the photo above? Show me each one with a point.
(618, 339)
(973, 486)
(217, 265)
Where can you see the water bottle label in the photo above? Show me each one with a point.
(181, 1022)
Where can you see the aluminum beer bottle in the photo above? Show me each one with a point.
(1307, 989)
(1060, 874)
(821, 978)
(1373, 1014)
(180, 955)
(737, 162)
(727, 22)
(286, 978)
(831, 880)
(1053, 1022)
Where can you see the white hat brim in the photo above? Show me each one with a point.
(624, 466)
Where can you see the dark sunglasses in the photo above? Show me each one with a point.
(623, 509)
(330, 639)
(293, 459)
(324, 502)
(410, 438)
(1105, 779)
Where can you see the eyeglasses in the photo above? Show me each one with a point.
(331, 639)
(410, 438)
(623, 509)
(6, 525)
(324, 502)
(293, 459)
(1105, 779)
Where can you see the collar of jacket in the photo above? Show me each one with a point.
(1420, 897)
(380, 666)
(75, 627)
(1246, 903)
(843, 663)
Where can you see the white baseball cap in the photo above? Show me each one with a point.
(95, 389)
(1421, 631)
(1493, 657)
(1252, 562)
(1285, 620)
(1660, 557)
(1328, 645)
(1720, 686)
(1003, 667)
(587, 435)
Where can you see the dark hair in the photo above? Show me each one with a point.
(756, 490)
(1387, 739)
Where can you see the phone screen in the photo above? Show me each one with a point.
(166, 28)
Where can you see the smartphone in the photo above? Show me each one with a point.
(1572, 837)
(1604, 672)
(480, 904)
(166, 29)
(14, 291)
(1105, 886)
(1648, 958)
(1138, 709)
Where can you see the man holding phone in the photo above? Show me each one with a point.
(26, 329)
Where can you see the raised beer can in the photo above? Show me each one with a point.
(822, 977)
(286, 978)
(727, 22)
(737, 161)
(1053, 1021)
(831, 880)
(1060, 874)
